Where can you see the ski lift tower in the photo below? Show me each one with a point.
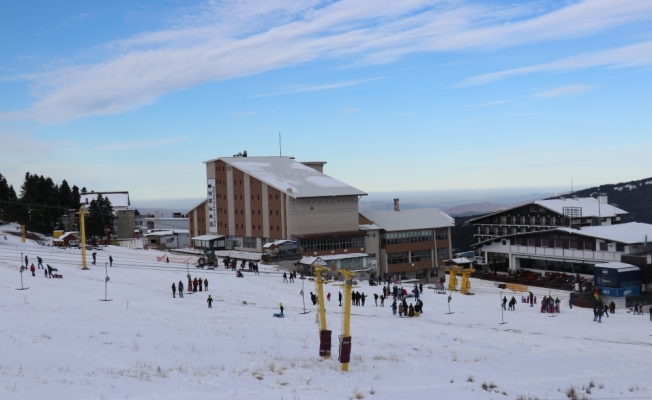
(324, 333)
(345, 337)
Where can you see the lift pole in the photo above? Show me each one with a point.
(82, 231)
(324, 333)
(345, 337)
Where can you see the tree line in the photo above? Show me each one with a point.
(42, 205)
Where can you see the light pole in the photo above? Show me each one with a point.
(449, 303)
(502, 309)
(106, 282)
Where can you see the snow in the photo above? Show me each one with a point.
(590, 206)
(629, 187)
(59, 342)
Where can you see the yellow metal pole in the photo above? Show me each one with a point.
(346, 323)
(82, 229)
(319, 282)
(22, 235)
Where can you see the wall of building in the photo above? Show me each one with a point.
(125, 220)
(322, 215)
(198, 220)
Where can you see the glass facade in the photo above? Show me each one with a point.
(407, 237)
(332, 243)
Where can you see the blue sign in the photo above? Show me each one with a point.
(619, 292)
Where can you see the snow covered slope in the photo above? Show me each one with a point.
(58, 341)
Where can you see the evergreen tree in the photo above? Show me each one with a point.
(100, 217)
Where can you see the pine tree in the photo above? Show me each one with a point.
(100, 216)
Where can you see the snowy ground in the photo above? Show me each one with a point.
(57, 341)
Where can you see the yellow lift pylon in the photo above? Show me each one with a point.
(82, 232)
(465, 273)
(345, 337)
(324, 333)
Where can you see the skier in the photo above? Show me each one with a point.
(400, 309)
(94, 258)
(206, 285)
(40, 262)
(201, 284)
(557, 301)
(340, 298)
(382, 301)
(32, 269)
(210, 301)
(281, 307)
(180, 287)
(174, 290)
(195, 282)
(532, 300)
(376, 299)
(110, 261)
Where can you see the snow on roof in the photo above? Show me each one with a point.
(369, 227)
(117, 199)
(208, 237)
(590, 206)
(414, 218)
(621, 267)
(168, 232)
(628, 233)
(461, 260)
(308, 260)
(291, 177)
(276, 243)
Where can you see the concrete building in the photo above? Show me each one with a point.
(256, 200)
(410, 244)
(124, 222)
(167, 239)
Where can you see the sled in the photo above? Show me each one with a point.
(278, 315)
(57, 276)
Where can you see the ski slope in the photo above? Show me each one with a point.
(58, 341)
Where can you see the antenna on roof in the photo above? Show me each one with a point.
(279, 144)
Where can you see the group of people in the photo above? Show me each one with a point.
(244, 264)
(47, 270)
(94, 255)
(193, 286)
(289, 277)
(406, 310)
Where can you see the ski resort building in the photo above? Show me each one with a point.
(252, 201)
(408, 244)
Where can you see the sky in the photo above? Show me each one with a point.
(408, 95)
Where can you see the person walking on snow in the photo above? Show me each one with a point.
(281, 307)
(189, 284)
(40, 262)
(400, 309)
(376, 299)
(328, 296)
(201, 284)
(94, 258)
(531, 299)
(570, 302)
(26, 263)
(210, 301)
(362, 298)
(382, 301)
(504, 303)
(195, 282)
(339, 296)
(49, 271)
(180, 287)
(285, 277)
(174, 290)
(110, 261)
(394, 308)
(292, 276)
(205, 285)
(32, 269)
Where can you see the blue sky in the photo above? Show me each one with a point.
(410, 95)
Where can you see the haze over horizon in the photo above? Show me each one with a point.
(418, 95)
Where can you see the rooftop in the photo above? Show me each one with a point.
(410, 219)
(621, 267)
(291, 177)
(117, 199)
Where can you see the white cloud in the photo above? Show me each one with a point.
(565, 91)
(627, 56)
(230, 39)
(141, 144)
(314, 88)
(492, 103)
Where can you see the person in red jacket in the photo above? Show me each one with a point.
(32, 269)
(194, 285)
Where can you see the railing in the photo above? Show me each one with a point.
(271, 258)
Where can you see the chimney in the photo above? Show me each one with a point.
(602, 198)
(396, 208)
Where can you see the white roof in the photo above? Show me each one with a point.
(311, 259)
(621, 267)
(590, 206)
(414, 218)
(461, 260)
(283, 173)
(369, 227)
(117, 199)
(65, 235)
(208, 237)
(628, 233)
(167, 232)
(276, 243)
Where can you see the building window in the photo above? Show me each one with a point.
(513, 230)
(406, 237)
(620, 247)
(372, 255)
(503, 220)
(421, 255)
(332, 243)
(534, 208)
(553, 220)
(572, 244)
(523, 220)
(443, 253)
(603, 246)
(249, 242)
(558, 243)
(397, 258)
(542, 220)
(441, 233)
(533, 220)
(544, 242)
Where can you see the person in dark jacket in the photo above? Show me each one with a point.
(189, 284)
(195, 282)
(339, 296)
(382, 301)
(201, 284)
(532, 299)
(110, 261)
(26, 263)
(281, 307)
(394, 308)
(49, 271)
(313, 298)
(210, 301)
(205, 284)
(94, 258)
(362, 298)
(174, 290)
(180, 287)
(39, 265)
(411, 311)
(504, 303)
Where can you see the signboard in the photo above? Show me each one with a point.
(619, 292)
(212, 205)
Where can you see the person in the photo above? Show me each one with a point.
(405, 307)
(201, 284)
(577, 287)
(292, 276)
(595, 313)
(174, 290)
(205, 284)
(420, 287)
(376, 299)
(400, 309)
(167, 260)
(339, 296)
(45, 271)
(26, 263)
(531, 299)
(606, 310)
(612, 307)
(382, 301)
(189, 284)
(285, 277)
(394, 309)
(281, 307)
(636, 308)
(49, 271)
(411, 311)
(239, 274)
(363, 297)
(328, 296)
(40, 262)
(650, 313)
(504, 303)
(94, 258)
(557, 301)
(195, 282)
(110, 261)
(600, 312)
(420, 303)
(210, 301)
(32, 269)
(313, 298)
(180, 287)
(570, 302)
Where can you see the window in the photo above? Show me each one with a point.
(534, 208)
(620, 247)
(603, 246)
(408, 237)
(530, 242)
(271, 212)
(503, 220)
(249, 242)
(542, 220)
(572, 244)
(397, 258)
(523, 220)
(544, 242)
(421, 255)
(513, 230)
(441, 233)
(558, 243)
(443, 253)
(332, 243)
(589, 246)
(553, 220)
(533, 220)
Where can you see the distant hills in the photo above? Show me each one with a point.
(475, 208)
(635, 197)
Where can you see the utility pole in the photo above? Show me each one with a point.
(82, 231)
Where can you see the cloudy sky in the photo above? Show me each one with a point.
(395, 95)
